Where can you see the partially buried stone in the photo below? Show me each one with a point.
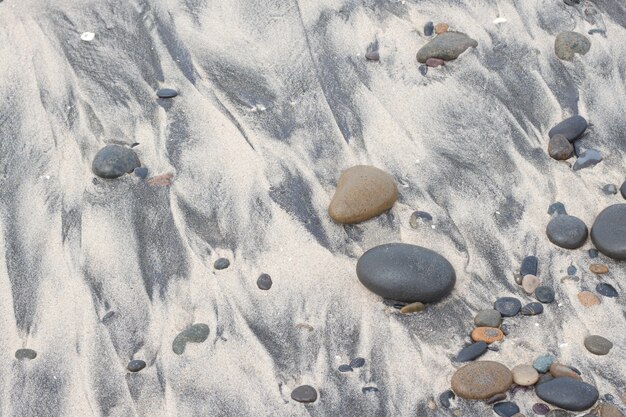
(567, 393)
(567, 44)
(588, 299)
(599, 269)
(429, 28)
(304, 394)
(558, 370)
(525, 375)
(196, 333)
(412, 308)
(141, 172)
(471, 352)
(365, 390)
(606, 290)
(558, 413)
(506, 409)
(572, 128)
(357, 362)
(587, 159)
(556, 208)
(136, 365)
(221, 263)
(541, 409)
(542, 363)
(530, 283)
(518, 278)
(488, 318)
(345, 368)
(598, 345)
(372, 56)
(418, 216)
(508, 306)
(264, 282)
(113, 161)
(593, 253)
(481, 380)
(487, 334)
(445, 397)
(560, 148)
(529, 265)
(622, 190)
(167, 93)
(441, 28)
(108, 316)
(423, 69)
(609, 189)
(608, 232)
(571, 270)
(532, 309)
(567, 232)
(25, 354)
(544, 294)
(447, 46)
(496, 398)
(435, 62)
(544, 378)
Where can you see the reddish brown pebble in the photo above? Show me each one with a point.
(435, 62)
(441, 27)
(481, 380)
(487, 334)
(599, 269)
(556, 370)
(588, 299)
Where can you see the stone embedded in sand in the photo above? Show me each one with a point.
(530, 283)
(136, 365)
(362, 192)
(141, 172)
(423, 69)
(372, 56)
(542, 363)
(435, 62)
(556, 209)
(560, 148)
(506, 409)
(487, 335)
(481, 380)
(529, 266)
(445, 397)
(419, 216)
(572, 128)
(221, 263)
(567, 44)
(558, 370)
(588, 299)
(606, 290)
(488, 318)
(608, 232)
(587, 159)
(357, 362)
(495, 398)
(113, 161)
(507, 306)
(532, 309)
(304, 394)
(264, 282)
(599, 269)
(408, 273)
(25, 354)
(567, 232)
(567, 393)
(606, 410)
(471, 352)
(429, 28)
(571, 270)
(609, 189)
(598, 345)
(412, 308)
(345, 368)
(167, 93)
(161, 180)
(525, 375)
(622, 190)
(441, 28)
(447, 46)
(544, 294)
(540, 409)
(196, 333)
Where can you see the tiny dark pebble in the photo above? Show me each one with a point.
(372, 56)
(167, 93)
(571, 270)
(593, 253)
(544, 294)
(423, 70)
(496, 398)
(596, 30)
(529, 266)
(429, 28)
(506, 409)
(357, 362)
(532, 309)
(108, 316)
(518, 279)
(25, 354)
(556, 208)
(541, 409)
(606, 290)
(221, 263)
(264, 282)
(445, 397)
(608, 398)
(345, 368)
(141, 172)
(136, 365)
(398, 306)
(494, 348)
(134, 144)
(369, 389)
(304, 394)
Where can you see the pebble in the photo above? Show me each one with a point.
(572, 128)
(544, 378)
(622, 190)
(415, 218)
(136, 365)
(429, 28)
(542, 363)
(558, 413)
(304, 394)
(567, 44)
(441, 28)
(362, 192)
(471, 352)
(357, 362)
(487, 335)
(506, 409)
(541, 409)
(488, 318)
(166, 93)
(113, 161)
(108, 316)
(508, 306)
(606, 290)
(558, 370)
(25, 354)
(196, 333)
(372, 56)
(423, 69)
(404, 272)
(567, 232)
(345, 368)
(87, 36)
(608, 232)
(505, 329)
(412, 308)
(525, 375)
(435, 62)
(141, 172)
(599, 269)
(530, 283)
(264, 282)
(365, 390)
(560, 148)
(609, 189)
(481, 380)
(518, 278)
(607, 410)
(556, 208)
(445, 397)
(447, 46)
(496, 398)
(593, 253)
(544, 294)
(221, 263)
(588, 299)
(529, 265)
(567, 393)
(571, 270)
(587, 159)
(532, 309)
(598, 345)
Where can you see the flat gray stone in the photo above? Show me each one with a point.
(568, 44)
(598, 345)
(567, 232)
(113, 161)
(447, 46)
(587, 159)
(25, 354)
(568, 393)
(304, 394)
(471, 352)
(608, 232)
(136, 365)
(488, 318)
(571, 128)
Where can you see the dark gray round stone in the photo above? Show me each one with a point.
(345, 368)
(567, 232)
(488, 318)
(167, 93)
(25, 354)
(429, 28)
(529, 265)
(508, 306)
(606, 290)
(593, 253)
(141, 172)
(608, 232)
(598, 345)
(113, 161)
(506, 409)
(136, 365)
(532, 309)
(264, 282)
(568, 393)
(471, 352)
(357, 362)
(445, 397)
(304, 394)
(571, 128)
(221, 263)
(403, 272)
(544, 294)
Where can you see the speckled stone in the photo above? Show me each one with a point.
(487, 335)
(471, 352)
(113, 161)
(567, 44)
(508, 306)
(264, 282)
(598, 345)
(166, 93)
(572, 128)
(136, 365)
(608, 232)
(567, 232)
(481, 380)
(304, 394)
(488, 318)
(221, 263)
(447, 46)
(525, 375)
(543, 362)
(558, 370)
(588, 299)
(532, 309)
(599, 269)
(196, 333)
(560, 148)
(544, 294)
(567, 393)
(530, 283)
(606, 290)
(609, 189)
(22, 354)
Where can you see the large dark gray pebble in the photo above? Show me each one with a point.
(544, 294)
(447, 46)
(136, 365)
(304, 394)
(571, 128)
(471, 352)
(113, 161)
(506, 409)
(606, 290)
(587, 159)
(568, 393)
(25, 354)
(488, 318)
(532, 309)
(403, 272)
(196, 333)
(221, 263)
(508, 306)
(167, 93)
(567, 232)
(598, 345)
(608, 232)
(264, 282)
(529, 265)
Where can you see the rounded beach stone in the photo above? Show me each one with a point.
(544, 294)
(606, 290)
(506, 409)
(481, 380)
(598, 345)
(113, 161)
(571, 128)
(167, 93)
(357, 362)
(445, 397)
(412, 308)
(529, 266)
(136, 365)
(508, 306)
(25, 354)
(609, 189)
(622, 190)
(403, 272)
(525, 375)
(530, 283)
(447, 46)
(567, 44)
(372, 56)
(558, 370)
(221, 263)
(606, 410)
(441, 28)
(599, 269)
(264, 282)
(608, 232)
(304, 394)
(429, 28)
(362, 192)
(196, 333)
(488, 318)
(542, 363)
(588, 299)
(567, 393)
(532, 309)
(587, 159)
(471, 352)
(560, 148)
(487, 335)
(345, 368)
(567, 232)
(541, 409)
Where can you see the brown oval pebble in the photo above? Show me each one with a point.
(362, 192)
(441, 27)
(487, 334)
(556, 370)
(560, 148)
(530, 283)
(525, 375)
(588, 299)
(599, 269)
(412, 308)
(481, 380)
(607, 410)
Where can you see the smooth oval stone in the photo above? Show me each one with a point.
(304, 394)
(471, 352)
(141, 172)
(435, 62)
(558, 370)
(567, 44)
(608, 232)
(196, 333)
(423, 70)
(221, 263)
(529, 265)
(567, 232)
(362, 192)
(556, 208)
(372, 56)
(530, 283)
(113, 161)
(357, 362)
(365, 390)
(593, 253)
(525, 375)
(542, 363)
(560, 148)
(606, 410)
(403, 272)
(445, 397)
(598, 345)
(447, 46)
(481, 380)
(571, 270)
(622, 190)
(532, 309)
(506, 409)
(136, 365)
(571, 128)
(264, 282)
(609, 189)
(544, 294)
(508, 306)
(541, 409)
(487, 335)
(167, 93)
(587, 159)
(606, 290)
(345, 368)
(429, 28)
(412, 308)
(588, 299)
(518, 278)
(599, 269)
(567, 393)
(25, 354)
(488, 318)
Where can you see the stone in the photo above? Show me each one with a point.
(529, 266)
(487, 335)
(404, 272)
(557, 370)
(196, 333)
(221, 263)
(588, 299)
(532, 309)
(544, 294)
(435, 62)
(161, 180)
(525, 375)
(488, 318)
(530, 283)
(362, 192)
(506, 409)
(108, 316)
(544, 378)
(609, 189)
(136, 365)
(412, 308)
(481, 380)
(429, 28)
(345, 368)
(567, 393)
(622, 190)
(541, 409)
(608, 232)
(587, 159)
(507, 306)
(558, 413)
(22, 354)
(496, 398)
(556, 208)
(418, 216)
(365, 390)
(607, 410)
(372, 56)
(471, 352)
(447, 46)
(113, 161)
(357, 362)
(567, 44)
(423, 70)
(599, 269)
(567, 232)
(304, 394)
(167, 93)
(445, 397)
(598, 345)
(606, 290)
(560, 148)
(441, 28)
(571, 270)
(572, 128)
(141, 172)
(264, 282)
(518, 278)
(542, 363)
(593, 253)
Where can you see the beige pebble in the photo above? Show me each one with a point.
(432, 405)
(599, 269)
(441, 27)
(412, 308)
(530, 283)
(556, 370)
(607, 410)
(525, 375)
(588, 299)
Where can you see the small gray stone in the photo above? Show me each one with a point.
(609, 189)
(560, 148)
(532, 309)
(264, 282)
(567, 44)
(488, 318)
(357, 362)
(429, 28)
(567, 232)
(25, 354)
(419, 216)
(587, 159)
(445, 397)
(556, 209)
(304, 394)
(136, 365)
(167, 93)
(372, 56)
(598, 345)
(141, 172)
(606, 290)
(542, 363)
(447, 46)
(544, 294)
(508, 306)
(221, 263)
(572, 128)
(345, 368)
(495, 398)
(113, 161)
(196, 333)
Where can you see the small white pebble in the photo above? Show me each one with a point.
(497, 212)
(87, 36)
(499, 20)
(432, 226)
(563, 345)
(536, 324)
